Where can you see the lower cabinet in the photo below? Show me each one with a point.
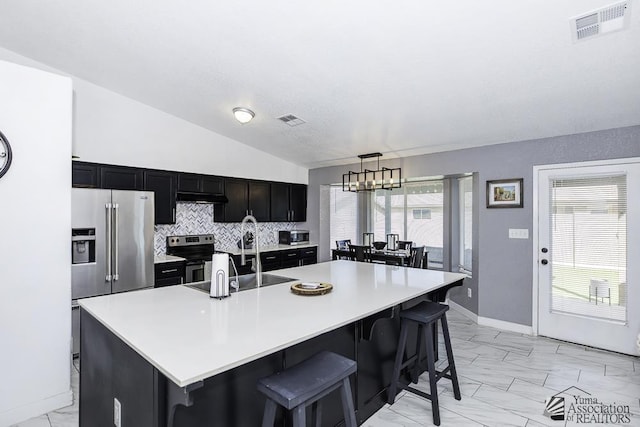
(275, 260)
(309, 256)
(169, 273)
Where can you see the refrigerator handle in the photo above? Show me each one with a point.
(116, 242)
(109, 232)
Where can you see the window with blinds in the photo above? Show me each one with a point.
(415, 212)
(343, 216)
(465, 204)
(589, 246)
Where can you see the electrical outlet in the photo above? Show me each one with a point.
(117, 413)
(469, 292)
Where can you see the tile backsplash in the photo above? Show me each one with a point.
(197, 218)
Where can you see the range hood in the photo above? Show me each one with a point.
(188, 196)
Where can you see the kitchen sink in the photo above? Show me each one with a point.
(247, 281)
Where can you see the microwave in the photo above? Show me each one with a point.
(293, 237)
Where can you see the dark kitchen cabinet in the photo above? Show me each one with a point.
(270, 260)
(280, 211)
(189, 182)
(237, 191)
(242, 269)
(298, 202)
(289, 258)
(84, 175)
(163, 184)
(121, 178)
(274, 260)
(245, 197)
(288, 202)
(309, 255)
(169, 273)
(200, 183)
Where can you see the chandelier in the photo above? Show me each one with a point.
(371, 180)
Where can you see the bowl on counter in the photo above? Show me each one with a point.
(379, 245)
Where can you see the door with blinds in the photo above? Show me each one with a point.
(588, 254)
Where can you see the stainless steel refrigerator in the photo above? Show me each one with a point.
(111, 244)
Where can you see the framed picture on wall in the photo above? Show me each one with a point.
(504, 193)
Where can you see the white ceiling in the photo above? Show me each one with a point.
(400, 77)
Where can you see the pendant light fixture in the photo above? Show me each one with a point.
(243, 115)
(371, 180)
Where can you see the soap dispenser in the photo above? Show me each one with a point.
(219, 276)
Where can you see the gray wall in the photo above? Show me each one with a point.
(503, 271)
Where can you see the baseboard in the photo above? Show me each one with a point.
(35, 409)
(492, 323)
(464, 311)
(506, 326)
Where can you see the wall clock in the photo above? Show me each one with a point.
(5, 155)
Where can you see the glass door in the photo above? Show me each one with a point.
(587, 276)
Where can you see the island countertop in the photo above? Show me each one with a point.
(189, 337)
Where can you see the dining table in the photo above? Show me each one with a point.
(386, 256)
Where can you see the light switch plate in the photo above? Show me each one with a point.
(518, 233)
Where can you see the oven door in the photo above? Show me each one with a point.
(194, 271)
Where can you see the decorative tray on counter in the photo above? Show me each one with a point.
(311, 288)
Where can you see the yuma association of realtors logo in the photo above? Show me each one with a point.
(582, 408)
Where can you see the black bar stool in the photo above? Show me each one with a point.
(305, 384)
(425, 315)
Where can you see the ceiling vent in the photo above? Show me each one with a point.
(605, 20)
(291, 120)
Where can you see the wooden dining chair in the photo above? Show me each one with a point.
(405, 245)
(360, 253)
(417, 257)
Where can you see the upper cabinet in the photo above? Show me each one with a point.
(84, 175)
(245, 198)
(163, 184)
(288, 202)
(266, 201)
(298, 203)
(195, 183)
(121, 178)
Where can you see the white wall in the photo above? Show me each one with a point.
(111, 128)
(35, 222)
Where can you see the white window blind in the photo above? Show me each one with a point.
(465, 191)
(415, 212)
(589, 246)
(343, 216)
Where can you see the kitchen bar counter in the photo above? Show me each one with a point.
(194, 340)
(267, 248)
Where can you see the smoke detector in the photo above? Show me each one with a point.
(291, 120)
(614, 17)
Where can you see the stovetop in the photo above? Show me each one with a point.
(198, 247)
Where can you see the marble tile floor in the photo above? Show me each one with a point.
(504, 377)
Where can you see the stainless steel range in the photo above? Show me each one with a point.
(197, 250)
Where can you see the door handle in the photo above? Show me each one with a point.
(544, 262)
(116, 211)
(544, 250)
(109, 236)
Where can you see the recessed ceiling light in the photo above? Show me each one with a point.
(243, 115)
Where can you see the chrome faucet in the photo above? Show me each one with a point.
(243, 260)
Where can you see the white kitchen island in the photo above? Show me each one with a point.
(186, 340)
